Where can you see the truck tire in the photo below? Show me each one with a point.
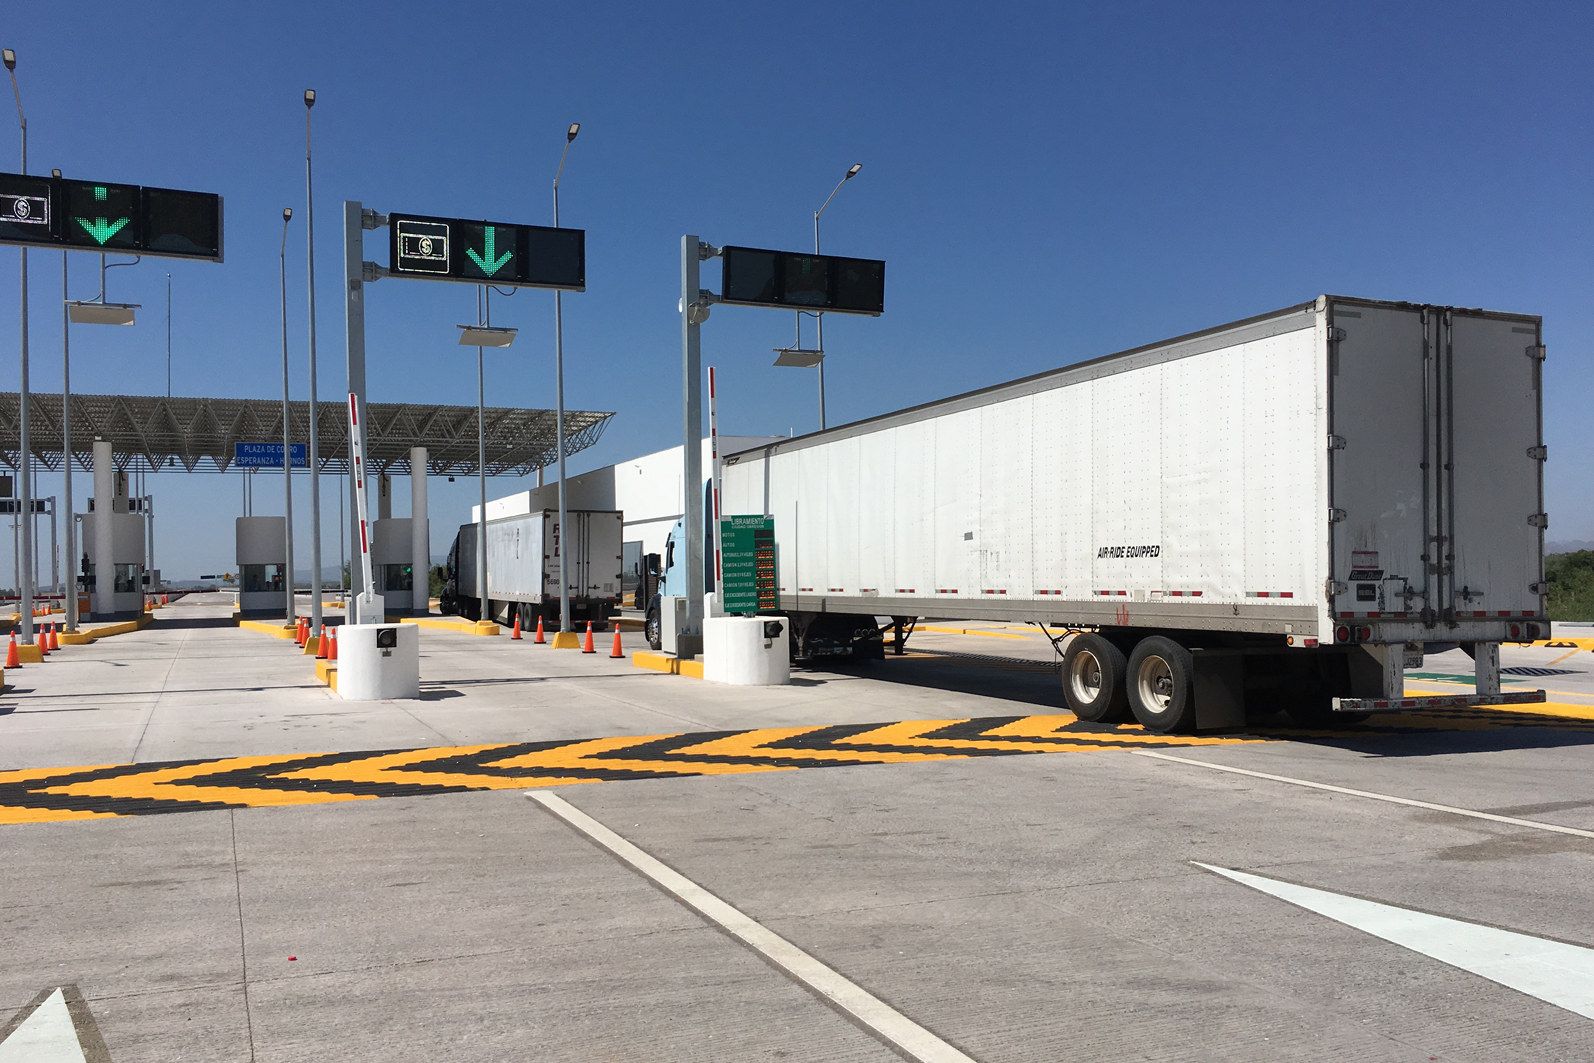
(1093, 680)
(650, 627)
(1161, 684)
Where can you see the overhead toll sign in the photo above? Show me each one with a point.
(485, 252)
(103, 216)
(268, 455)
(792, 280)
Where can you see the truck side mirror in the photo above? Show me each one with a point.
(669, 554)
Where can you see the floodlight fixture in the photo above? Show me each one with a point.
(485, 336)
(309, 98)
(570, 134)
(83, 312)
(798, 357)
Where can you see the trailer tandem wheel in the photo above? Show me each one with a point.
(1094, 680)
(1161, 685)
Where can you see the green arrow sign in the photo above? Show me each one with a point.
(486, 261)
(101, 229)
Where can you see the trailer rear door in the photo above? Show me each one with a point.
(1434, 463)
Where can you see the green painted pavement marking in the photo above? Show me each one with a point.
(486, 262)
(1449, 677)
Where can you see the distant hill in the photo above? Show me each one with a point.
(1568, 546)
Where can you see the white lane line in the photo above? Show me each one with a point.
(1551, 971)
(47, 1035)
(1389, 798)
(886, 1022)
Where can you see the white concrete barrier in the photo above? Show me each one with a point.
(747, 650)
(379, 662)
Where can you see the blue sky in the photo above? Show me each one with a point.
(1048, 182)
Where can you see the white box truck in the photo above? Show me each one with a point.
(1276, 513)
(523, 568)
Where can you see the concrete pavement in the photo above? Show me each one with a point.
(1017, 907)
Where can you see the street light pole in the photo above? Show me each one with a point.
(314, 442)
(168, 335)
(559, 401)
(485, 608)
(72, 559)
(24, 453)
(287, 436)
(819, 319)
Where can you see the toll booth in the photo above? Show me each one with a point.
(262, 566)
(393, 565)
(127, 568)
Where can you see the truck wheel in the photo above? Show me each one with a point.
(1093, 680)
(1161, 685)
(650, 628)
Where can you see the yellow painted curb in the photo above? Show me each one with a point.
(268, 627)
(1566, 644)
(453, 623)
(76, 638)
(29, 653)
(970, 631)
(663, 662)
(325, 670)
(565, 640)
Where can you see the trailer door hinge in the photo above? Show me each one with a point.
(1335, 515)
(1336, 442)
(1540, 589)
(1335, 334)
(1331, 589)
(1539, 520)
(1536, 352)
(1539, 453)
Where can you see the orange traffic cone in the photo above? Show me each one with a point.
(55, 638)
(332, 649)
(540, 639)
(12, 659)
(616, 652)
(300, 634)
(587, 646)
(514, 632)
(321, 645)
(166, 599)
(43, 642)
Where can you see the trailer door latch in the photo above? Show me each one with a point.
(1336, 442)
(1539, 453)
(1335, 515)
(1539, 520)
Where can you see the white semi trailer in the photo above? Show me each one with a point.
(523, 568)
(1277, 513)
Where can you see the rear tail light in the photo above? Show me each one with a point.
(1533, 631)
(1364, 634)
(1342, 634)
(1516, 632)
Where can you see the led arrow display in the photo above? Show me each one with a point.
(487, 262)
(100, 216)
(482, 252)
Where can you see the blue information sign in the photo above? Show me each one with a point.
(268, 455)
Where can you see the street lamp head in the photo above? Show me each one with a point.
(55, 173)
(309, 98)
(10, 58)
(852, 171)
(570, 134)
(287, 212)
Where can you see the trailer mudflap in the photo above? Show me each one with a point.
(1219, 689)
(1440, 701)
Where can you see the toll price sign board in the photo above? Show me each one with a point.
(268, 455)
(747, 565)
(792, 280)
(486, 252)
(104, 216)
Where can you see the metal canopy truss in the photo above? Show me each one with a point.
(153, 433)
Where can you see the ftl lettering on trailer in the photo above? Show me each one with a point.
(1129, 551)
